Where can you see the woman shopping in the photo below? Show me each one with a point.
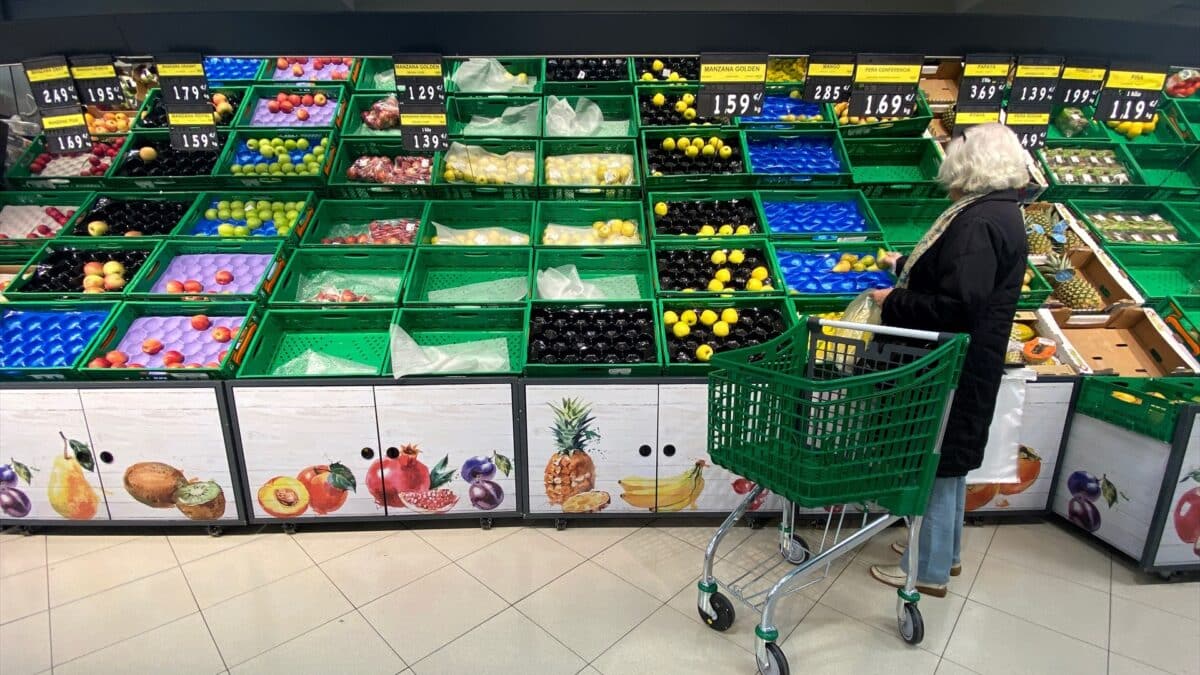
(964, 277)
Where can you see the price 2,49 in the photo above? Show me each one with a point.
(61, 95)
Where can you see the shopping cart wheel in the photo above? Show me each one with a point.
(725, 614)
(798, 551)
(912, 626)
(776, 663)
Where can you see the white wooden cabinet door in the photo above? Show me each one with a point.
(457, 431)
(287, 430)
(626, 428)
(31, 421)
(179, 432)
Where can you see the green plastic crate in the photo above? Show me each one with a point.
(585, 214)
(799, 247)
(444, 189)
(694, 181)
(350, 149)
(815, 305)
(672, 197)
(360, 336)
(679, 305)
(1039, 290)
(460, 110)
(1126, 402)
(66, 371)
(1160, 164)
(580, 370)
(708, 245)
(155, 94)
(1184, 182)
(1184, 115)
(594, 265)
(332, 215)
(436, 269)
(189, 226)
(1087, 210)
(115, 181)
(268, 74)
(1137, 188)
(1160, 273)
(613, 108)
(895, 167)
(129, 312)
(442, 327)
(673, 93)
(389, 263)
(157, 266)
(906, 127)
(531, 67)
(1100, 132)
(16, 293)
(871, 232)
(18, 176)
(225, 173)
(371, 67)
(566, 190)
(336, 95)
(464, 215)
(77, 226)
(594, 87)
(1182, 314)
(826, 120)
(353, 125)
(18, 244)
(761, 178)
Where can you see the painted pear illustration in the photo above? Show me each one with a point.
(70, 493)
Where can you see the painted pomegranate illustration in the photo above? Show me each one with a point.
(388, 477)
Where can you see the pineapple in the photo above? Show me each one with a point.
(1073, 240)
(570, 470)
(1070, 288)
(1038, 222)
(947, 118)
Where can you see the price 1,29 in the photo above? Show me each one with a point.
(424, 93)
(419, 79)
(731, 104)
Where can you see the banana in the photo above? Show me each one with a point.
(669, 494)
(640, 501)
(678, 502)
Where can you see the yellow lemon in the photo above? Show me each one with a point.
(716, 286)
(725, 152)
(689, 99)
(689, 317)
(718, 257)
(692, 151)
(722, 275)
(657, 65)
(759, 273)
(670, 318)
(729, 315)
(720, 328)
(725, 230)
(742, 229)
(660, 209)
(680, 106)
(704, 352)
(668, 143)
(658, 100)
(681, 329)
(706, 231)
(753, 284)
(708, 317)
(737, 257)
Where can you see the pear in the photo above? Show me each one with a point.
(69, 491)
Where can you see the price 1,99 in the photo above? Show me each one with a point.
(1079, 95)
(731, 104)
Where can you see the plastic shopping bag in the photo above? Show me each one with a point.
(1004, 436)
(488, 75)
(480, 356)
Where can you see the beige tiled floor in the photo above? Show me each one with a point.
(615, 598)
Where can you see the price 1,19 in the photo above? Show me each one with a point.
(731, 104)
(1130, 109)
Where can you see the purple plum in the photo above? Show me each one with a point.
(14, 502)
(1083, 513)
(1083, 484)
(476, 468)
(8, 477)
(486, 494)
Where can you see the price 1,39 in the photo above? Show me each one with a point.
(1033, 92)
(425, 139)
(731, 104)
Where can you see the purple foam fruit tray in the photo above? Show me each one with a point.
(318, 115)
(176, 334)
(247, 269)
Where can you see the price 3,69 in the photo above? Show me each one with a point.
(983, 92)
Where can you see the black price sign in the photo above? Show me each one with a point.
(829, 78)
(182, 80)
(1131, 94)
(192, 128)
(423, 129)
(1029, 126)
(50, 81)
(1035, 82)
(731, 84)
(66, 131)
(885, 85)
(984, 79)
(96, 80)
(967, 118)
(1080, 84)
(419, 79)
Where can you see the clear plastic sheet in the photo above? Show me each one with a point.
(346, 286)
(514, 121)
(585, 119)
(564, 283)
(512, 289)
(310, 362)
(474, 164)
(478, 236)
(481, 356)
(589, 169)
(613, 232)
(488, 75)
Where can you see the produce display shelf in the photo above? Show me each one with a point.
(660, 180)
(463, 111)
(1133, 213)
(332, 112)
(282, 181)
(801, 171)
(1184, 114)
(1136, 187)
(673, 367)
(18, 175)
(614, 109)
(125, 175)
(332, 342)
(590, 88)
(476, 181)
(450, 326)
(1160, 274)
(197, 223)
(17, 291)
(441, 270)
(338, 219)
(251, 268)
(674, 200)
(351, 149)
(659, 247)
(17, 241)
(537, 368)
(78, 226)
(598, 266)
(619, 181)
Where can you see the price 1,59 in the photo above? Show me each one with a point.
(195, 139)
(731, 104)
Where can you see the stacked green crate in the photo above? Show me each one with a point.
(1129, 403)
(1135, 222)
(785, 109)
(472, 223)
(590, 169)
(82, 225)
(469, 276)
(154, 281)
(417, 185)
(1160, 272)
(27, 210)
(342, 276)
(40, 265)
(1180, 183)
(333, 342)
(582, 224)
(152, 115)
(494, 116)
(19, 175)
(714, 255)
(914, 125)
(377, 74)
(682, 358)
(666, 207)
(366, 222)
(663, 170)
(239, 165)
(895, 167)
(834, 171)
(1184, 115)
(1077, 170)
(335, 98)
(905, 221)
(619, 117)
(617, 274)
(818, 215)
(640, 323)
(826, 271)
(488, 169)
(372, 115)
(590, 87)
(34, 353)
(129, 167)
(672, 107)
(208, 219)
(455, 329)
(524, 76)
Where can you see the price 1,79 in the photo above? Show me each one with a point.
(732, 104)
(187, 93)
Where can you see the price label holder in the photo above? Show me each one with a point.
(984, 79)
(829, 78)
(1081, 81)
(423, 128)
(731, 85)
(50, 81)
(1035, 82)
(1029, 124)
(1131, 93)
(96, 80)
(182, 80)
(420, 79)
(885, 85)
(66, 131)
(192, 128)
(965, 118)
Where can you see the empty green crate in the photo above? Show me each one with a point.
(1088, 209)
(1127, 403)
(77, 227)
(66, 370)
(338, 218)
(908, 126)
(815, 305)
(557, 184)
(330, 342)
(797, 179)
(150, 284)
(336, 96)
(449, 326)
(475, 220)
(590, 88)
(436, 269)
(470, 185)
(327, 270)
(641, 369)
(596, 265)
(16, 240)
(1184, 114)
(195, 366)
(655, 198)
(376, 75)
(708, 246)
(1160, 272)
(1181, 184)
(1182, 314)
(115, 178)
(533, 68)
(461, 110)
(350, 149)
(619, 112)
(897, 167)
(293, 181)
(693, 181)
(18, 176)
(16, 289)
(871, 232)
(671, 366)
(585, 214)
(353, 125)
(152, 101)
(193, 223)
(1136, 188)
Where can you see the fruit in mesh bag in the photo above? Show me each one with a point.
(383, 114)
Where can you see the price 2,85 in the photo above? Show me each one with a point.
(829, 93)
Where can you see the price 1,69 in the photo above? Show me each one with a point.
(888, 105)
(74, 141)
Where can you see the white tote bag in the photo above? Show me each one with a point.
(1004, 436)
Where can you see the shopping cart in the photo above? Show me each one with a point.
(828, 414)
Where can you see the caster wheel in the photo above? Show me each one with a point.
(25, 530)
(798, 551)
(775, 664)
(912, 626)
(214, 530)
(289, 528)
(485, 523)
(725, 614)
(560, 524)
(1168, 576)
(756, 523)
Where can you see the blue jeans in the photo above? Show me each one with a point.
(940, 540)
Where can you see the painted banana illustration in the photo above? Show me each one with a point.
(668, 494)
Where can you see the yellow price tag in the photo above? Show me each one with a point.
(830, 69)
(1128, 79)
(986, 70)
(44, 74)
(417, 69)
(62, 121)
(732, 72)
(422, 119)
(180, 70)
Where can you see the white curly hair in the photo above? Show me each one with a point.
(984, 159)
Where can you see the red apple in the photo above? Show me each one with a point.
(222, 334)
(93, 281)
(201, 322)
(281, 63)
(172, 357)
(133, 233)
(99, 362)
(306, 99)
(301, 114)
(114, 282)
(174, 286)
(222, 355)
(116, 358)
(151, 346)
(281, 96)
(285, 107)
(273, 106)
(298, 70)
(223, 277)
(212, 364)
(192, 365)
(348, 61)
(193, 286)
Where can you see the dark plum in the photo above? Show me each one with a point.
(486, 494)
(150, 217)
(8, 477)
(587, 69)
(1083, 513)
(1083, 484)
(14, 502)
(60, 269)
(561, 335)
(688, 218)
(477, 467)
(166, 161)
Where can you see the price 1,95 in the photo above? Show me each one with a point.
(105, 93)
(731, 104)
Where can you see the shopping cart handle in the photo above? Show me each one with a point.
(931, 336)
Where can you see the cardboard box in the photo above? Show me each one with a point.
(1071, 362)
(1129, 342)
(940, 83)
(1098, 268)
(7, 274)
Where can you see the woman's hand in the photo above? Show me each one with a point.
(879, 295)
(888, 260)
